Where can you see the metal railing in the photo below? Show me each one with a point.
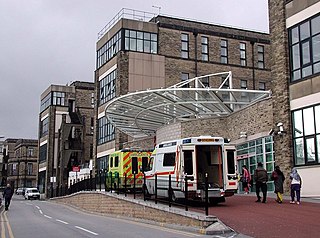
(135, 187)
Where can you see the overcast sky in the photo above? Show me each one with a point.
(44, 42)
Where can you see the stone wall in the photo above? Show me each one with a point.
(113, 205)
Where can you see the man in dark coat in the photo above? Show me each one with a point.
(7, 195)
(261, 178)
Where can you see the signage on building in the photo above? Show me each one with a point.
(76, 169)
(53, 179)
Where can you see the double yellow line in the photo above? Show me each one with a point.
(4, 220)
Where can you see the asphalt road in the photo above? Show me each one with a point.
(38, 219)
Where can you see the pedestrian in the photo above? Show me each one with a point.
(296, 184)
(245, 179)
(261, 178)
(278, 178)
(7, 195)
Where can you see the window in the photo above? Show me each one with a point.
(204, 48)
(107, 87)
(30, 152)
(29, 169)
(169, 159)
(109, 49)
(45, 102)
(306, 135)
(260, 57)
(205, 81)
(44, 127)
(224, 51)
(243, 84)
(116, 161)
(43, 153)
(185, 46)
(185, 77)
(141, 41)
(106, 131)
(252, 152)
(134, 165)
(243, 54)
(304, 44)
(92, 100)
(144, 163)
(58, 98)
(262, 86)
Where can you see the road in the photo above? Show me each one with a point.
(38, 219)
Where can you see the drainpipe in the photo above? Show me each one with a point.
(195, 33)
(253, 66)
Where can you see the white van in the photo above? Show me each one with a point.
(31, 193)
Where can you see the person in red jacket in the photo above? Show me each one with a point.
(245, 179)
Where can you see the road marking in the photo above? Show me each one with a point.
(38, 207)
(64, 222)
(91, 232)
(3, 232)
(47, 216)
(41, 212)
(8, 225)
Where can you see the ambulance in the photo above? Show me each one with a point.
(190, 161)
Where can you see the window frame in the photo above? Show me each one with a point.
(224, 56)
(261, 52)
(243, 54)
(184, 52)
(301, 136)
(205, 48)
(297, 52)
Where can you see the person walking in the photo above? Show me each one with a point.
(296, 184)
(261, 178)
(7, 195)
(245, 179)
(278, 177)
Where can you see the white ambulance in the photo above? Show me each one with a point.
(193, 158)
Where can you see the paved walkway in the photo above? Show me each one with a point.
(245, 216)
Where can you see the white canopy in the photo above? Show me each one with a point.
(140, 114)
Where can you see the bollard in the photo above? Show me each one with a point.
(125, 184)
(186, 192)
(134, 184)
(156, 189)
(206, 195)
(170, 191)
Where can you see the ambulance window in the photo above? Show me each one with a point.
(188, 165)
(111, 162)
(169, 159)
(144, 163)
(116, 161)
(150, 164)
(230, 161)
(134, 164)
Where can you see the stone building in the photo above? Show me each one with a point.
(162, 51)
(66, 123)
(295, 37)
(22, 162)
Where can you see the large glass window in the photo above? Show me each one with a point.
(43, 153)
(45, 102)
(204, 48)
(185, 46)
(255, 151)
(306, 135)
(44, 127)
(243, 54)
(109, 49)
(141, 41)
(58, 98)
(106, 131)
(224, 51)
(107, 87)
(304, 43)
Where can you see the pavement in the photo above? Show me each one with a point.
(250, 219)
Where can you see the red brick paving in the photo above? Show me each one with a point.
(242, 214)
